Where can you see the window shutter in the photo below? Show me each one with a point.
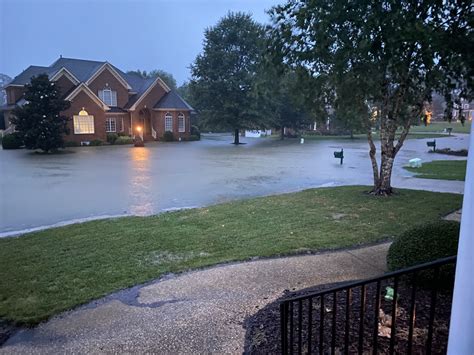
(101, 95)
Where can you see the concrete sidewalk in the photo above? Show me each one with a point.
(196, 312)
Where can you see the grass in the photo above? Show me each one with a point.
(44, 273)
(375, 136)
(441, 169)
(440, 126)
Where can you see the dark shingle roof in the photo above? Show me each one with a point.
(25, 76)
(139, 85)
(115, 109)
(174, 101)
(80, 68)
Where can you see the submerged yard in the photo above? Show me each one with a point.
(47, 272)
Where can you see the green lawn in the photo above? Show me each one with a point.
(440, 126)
(47, 272)
(414, 135)
(441, 169)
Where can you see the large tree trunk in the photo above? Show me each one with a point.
(236, 136)
(282, 133)
(383, 177)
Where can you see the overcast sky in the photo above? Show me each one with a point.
(131, 34)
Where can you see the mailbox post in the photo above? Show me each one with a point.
(339, 155)
(432, 144)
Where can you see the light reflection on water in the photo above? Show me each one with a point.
(140, 194)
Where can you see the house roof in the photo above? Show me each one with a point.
(83, 70)
(80, 68)
(24, 77)
(172, 100)
(139, 86)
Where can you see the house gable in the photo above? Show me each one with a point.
(152, 95)
(107, 80)
(109, 68)
(83, 88)
(65, 84)
(63, 72)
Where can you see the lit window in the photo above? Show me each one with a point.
(83, 124)
(181, 122)
(168, 122)
(110, 125)
(108, 97)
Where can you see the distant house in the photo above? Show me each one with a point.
(105, 100)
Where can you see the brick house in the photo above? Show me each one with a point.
(106, 100)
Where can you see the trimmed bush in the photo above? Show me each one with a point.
(123, 140)
(195, 132)
(112, 137)
(95, 142)
(168, 136)
(123, 134)
(12, 141)
(425, 243)
(72, 144)
(193, 137)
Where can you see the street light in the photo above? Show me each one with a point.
(139, 130)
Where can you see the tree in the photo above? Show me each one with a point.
(168, 78)
(223, 75)
(382, 58)
(279, 92)
(39, 121)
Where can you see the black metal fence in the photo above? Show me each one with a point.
(406, 312)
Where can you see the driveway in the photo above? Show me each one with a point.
(96, 182)
(196, 312)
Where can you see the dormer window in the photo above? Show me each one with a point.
(108, 97)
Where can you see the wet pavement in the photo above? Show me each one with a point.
(96, 182)
(199, 312)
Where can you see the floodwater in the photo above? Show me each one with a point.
(96, 182)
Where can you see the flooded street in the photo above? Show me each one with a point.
(95, 182)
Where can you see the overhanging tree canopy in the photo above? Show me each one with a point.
(378, 61)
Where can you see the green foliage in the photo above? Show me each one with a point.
(123, 140)
(39, 121)
(95, 142)
(279, 91)
(223, 75)
(364, 68)
(195, 132)
(193, 137)
(168, 78)
(72, 144)
(12, 141)
(168, 136)
(425, 243)
(123, 134)
(112, 137)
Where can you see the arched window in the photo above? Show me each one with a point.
(181, 122)
(168, 122)
(83, 123)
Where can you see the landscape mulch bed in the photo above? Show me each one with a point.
(448, 151)
(264, 336)
(7, 329)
